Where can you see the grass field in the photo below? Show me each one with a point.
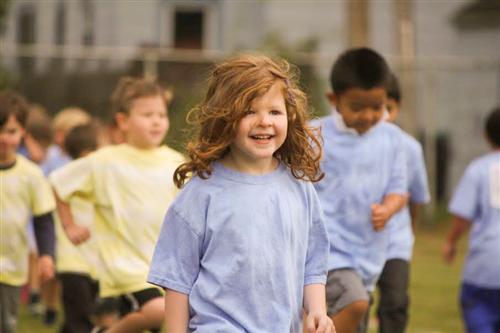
(434, 287)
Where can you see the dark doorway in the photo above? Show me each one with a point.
(188, 30)
(26, 35)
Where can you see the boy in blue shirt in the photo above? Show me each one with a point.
(364, 184)
(393, 283)
(476, 203)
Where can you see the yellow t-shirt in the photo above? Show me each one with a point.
(131, 190)
(24, 192)
(83, 258)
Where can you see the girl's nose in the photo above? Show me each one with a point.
(264, 120)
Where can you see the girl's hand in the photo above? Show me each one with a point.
(319, 323)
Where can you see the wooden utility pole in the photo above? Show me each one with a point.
(357, 11)
(407, 77)
(406, 46)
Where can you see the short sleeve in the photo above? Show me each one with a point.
(418, 185)
(494, 184)
(176, 260)
(42, 198)
(75, 178)
(398, 176)
(318, 247)
(464, 202)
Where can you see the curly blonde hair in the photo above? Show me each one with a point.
(232, 86)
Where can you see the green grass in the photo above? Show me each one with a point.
(434, 287)
(29, 323)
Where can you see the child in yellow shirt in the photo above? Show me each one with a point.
(77, 266)
(24, 193)
(130, 186)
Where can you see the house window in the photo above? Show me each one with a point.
(26, 35)
(89, 22)
(60, 26)
(188, 30)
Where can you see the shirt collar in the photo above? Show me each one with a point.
(340, 125)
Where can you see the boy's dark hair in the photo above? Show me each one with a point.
(81, 138)
(12, 103)
(492, 127)
(359, 68)
(393, 88)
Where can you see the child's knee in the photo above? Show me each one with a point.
(358, 309)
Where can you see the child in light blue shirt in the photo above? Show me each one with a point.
(364, 183)
(243, 247)
(476, 204)
(393, 283)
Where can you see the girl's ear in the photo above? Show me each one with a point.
(121, 120)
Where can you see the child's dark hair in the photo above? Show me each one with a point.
(359, 68)
(232, 86)
(492, 127)
(393, 88)
(12, 103)
(81, 138)
(129, 89)
(38, 125)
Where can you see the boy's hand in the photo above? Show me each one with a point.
(319, 323)
(380, 216)
(46, 267)
(449, 251)
(77, 234)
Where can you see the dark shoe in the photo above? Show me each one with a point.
(50, 317)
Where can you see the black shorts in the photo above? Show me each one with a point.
(134, 301)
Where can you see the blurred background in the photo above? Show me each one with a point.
(445, 52)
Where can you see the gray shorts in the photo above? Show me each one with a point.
(9, 303)
(343, 287)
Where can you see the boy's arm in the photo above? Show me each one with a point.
(77, 234)
(43, 226)
(315, 307)
(176, 311)
(459, 226)
(381, 213)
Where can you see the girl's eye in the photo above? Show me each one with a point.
(248, 112)
(276, 112)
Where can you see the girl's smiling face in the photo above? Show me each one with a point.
(261, 132)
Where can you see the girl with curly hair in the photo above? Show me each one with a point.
(243, 247)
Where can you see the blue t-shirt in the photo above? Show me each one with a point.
(477, 199)
(243, 247)
(360, 170)
(55, 159)
(400, 230)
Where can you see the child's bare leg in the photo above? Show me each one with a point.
(35, 305)
(350, 317)
(50, 298)
(150, 315)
